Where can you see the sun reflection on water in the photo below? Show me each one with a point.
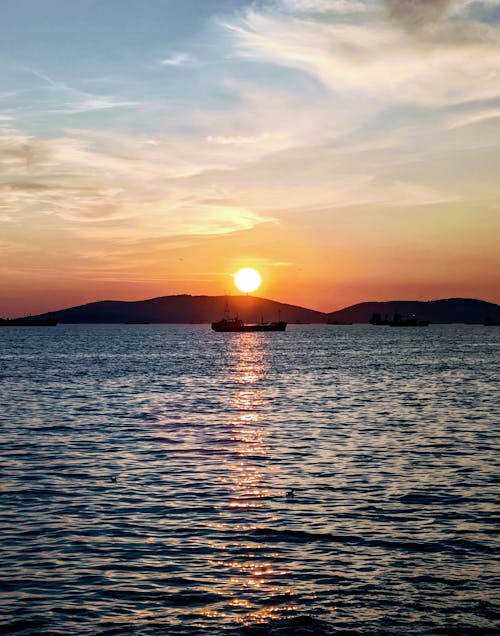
(253, 579)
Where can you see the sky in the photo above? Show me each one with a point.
(347, 149)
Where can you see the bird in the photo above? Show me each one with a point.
(290, 493)
(113, 478)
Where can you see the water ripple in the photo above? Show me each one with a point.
(145, 470)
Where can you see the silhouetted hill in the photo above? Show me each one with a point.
(206, 309)
(448, 310)
(185, 309)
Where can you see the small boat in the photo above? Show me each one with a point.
(28, 322)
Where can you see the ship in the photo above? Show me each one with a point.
(28, 322)
(337, 322)
(235, 324)
(398, 321)
(491, 323)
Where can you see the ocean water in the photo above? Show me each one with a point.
(144, 472)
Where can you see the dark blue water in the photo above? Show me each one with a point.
(387, 435)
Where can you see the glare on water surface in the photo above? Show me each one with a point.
(253, 578)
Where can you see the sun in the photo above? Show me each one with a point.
(247, 279)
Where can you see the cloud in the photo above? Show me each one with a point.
(178, 59)
(5, 95)
(93, 103)
(304, 180)
(120, 189)
(370, 60)
(65, 99)
(236, 140)
(325, 6)
(473, 117)
(116, 191)
(484, 10)
(414, 14)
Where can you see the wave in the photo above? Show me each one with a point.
(304, 536)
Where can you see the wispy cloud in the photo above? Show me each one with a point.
(236, 140)
(178, 59)
(5, 95)
(69, 178)
(474, 117)
(89, 104)
(373, 60)
(414, 14)
(326, 6)
(66, 99)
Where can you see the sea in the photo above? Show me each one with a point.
(166, 479)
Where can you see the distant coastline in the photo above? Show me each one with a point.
(187, 309)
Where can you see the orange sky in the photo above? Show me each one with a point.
(318, 268)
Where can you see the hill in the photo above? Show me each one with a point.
(185, 309)
(448, 310)
(206, 309)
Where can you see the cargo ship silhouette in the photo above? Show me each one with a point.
(236, 324)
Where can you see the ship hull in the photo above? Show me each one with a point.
(410, 323)
(231, 327)
(400, 323)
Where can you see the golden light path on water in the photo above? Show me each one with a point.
(252, 578)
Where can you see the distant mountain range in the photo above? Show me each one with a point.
(206, 309)
(449, 310)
